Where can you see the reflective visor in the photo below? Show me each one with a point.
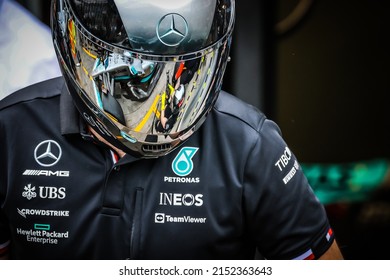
(143, 95)
(147, 101)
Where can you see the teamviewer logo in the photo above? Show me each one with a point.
(159, 218)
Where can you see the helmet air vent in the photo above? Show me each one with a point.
(156, 148)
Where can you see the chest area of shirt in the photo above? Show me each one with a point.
(49, 179)
(58, 196)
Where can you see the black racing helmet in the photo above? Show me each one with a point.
(127, 61)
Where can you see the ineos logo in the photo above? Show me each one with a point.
(172, 29)
(47, 153)
(178, 199)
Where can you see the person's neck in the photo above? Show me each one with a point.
(120, 153)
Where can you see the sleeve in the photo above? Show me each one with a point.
(284, 216)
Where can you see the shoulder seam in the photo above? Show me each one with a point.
(43, 90)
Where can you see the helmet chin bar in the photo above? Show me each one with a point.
(142, 103)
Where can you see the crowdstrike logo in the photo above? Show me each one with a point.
(41, 212)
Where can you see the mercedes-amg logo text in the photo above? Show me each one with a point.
(172, 29)
(47, 153)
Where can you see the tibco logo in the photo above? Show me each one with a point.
(178, 199)
(284, 159)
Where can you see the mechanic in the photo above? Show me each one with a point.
(84, 174)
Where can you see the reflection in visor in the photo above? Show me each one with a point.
(132, 74)
(173, 97)
(122, 86)
(117, 76)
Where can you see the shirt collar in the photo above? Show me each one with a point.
(71, 123)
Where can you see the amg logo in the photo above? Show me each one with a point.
(48, 173)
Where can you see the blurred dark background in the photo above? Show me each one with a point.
(320, 69)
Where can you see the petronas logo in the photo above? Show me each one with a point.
(182, 165)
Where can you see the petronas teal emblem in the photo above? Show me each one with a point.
(182, 164)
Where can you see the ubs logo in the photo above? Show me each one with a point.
(45, 192)
(47, 153)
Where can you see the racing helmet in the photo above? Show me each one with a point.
(123, 60)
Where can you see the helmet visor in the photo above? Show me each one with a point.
(147, 96)
(142, 95)
(150, 102)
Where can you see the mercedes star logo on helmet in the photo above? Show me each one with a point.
(172, 29)
(47, 153)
